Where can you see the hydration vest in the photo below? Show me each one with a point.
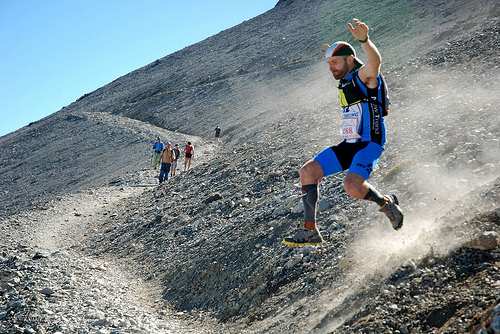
(354, 94)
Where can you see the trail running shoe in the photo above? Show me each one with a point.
(304, 237)
(393, 211)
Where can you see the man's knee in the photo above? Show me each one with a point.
(311, 172)
(354, 185)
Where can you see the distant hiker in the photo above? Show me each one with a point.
(217, 133)
(177, 155)
(165, 158)
(363, 129)
(157, 147)
(188, 155)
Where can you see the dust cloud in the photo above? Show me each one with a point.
(443, 149)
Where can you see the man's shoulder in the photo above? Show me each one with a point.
(365, 77)
(367, 82)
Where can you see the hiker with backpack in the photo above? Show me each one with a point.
(188, 155)
(217, 133)
(177, 154)
(364, 102)
(165, 159)
(157, 148)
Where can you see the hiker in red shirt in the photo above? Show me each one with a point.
(188, 155)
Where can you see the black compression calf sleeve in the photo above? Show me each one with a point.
(374, 196)
(310, 198)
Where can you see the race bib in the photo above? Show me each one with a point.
(350, 122)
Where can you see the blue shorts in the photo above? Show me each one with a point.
(360, 158)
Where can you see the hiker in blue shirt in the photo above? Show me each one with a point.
(157, 147)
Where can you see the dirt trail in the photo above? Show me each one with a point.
(62, 224)
(97, 292)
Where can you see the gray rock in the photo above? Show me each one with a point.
(47, 291)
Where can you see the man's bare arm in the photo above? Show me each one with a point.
(369, 72)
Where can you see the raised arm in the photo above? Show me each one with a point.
(369, 72)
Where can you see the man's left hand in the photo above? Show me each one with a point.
(359, 30)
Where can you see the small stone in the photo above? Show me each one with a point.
(393, 308)
(299, 208)
(99, 267)
(324, 204)
(47, 291)
(294, 261)
(100, 322)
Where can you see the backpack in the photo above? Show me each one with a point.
(384, 104)
(189, 149)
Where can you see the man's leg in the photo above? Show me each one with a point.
(356, 186)
(156, 156)
(324, 163)
(308, 234)
(162, 172)
(310, 174)
(167, 170)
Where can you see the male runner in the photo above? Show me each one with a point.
(363, 129)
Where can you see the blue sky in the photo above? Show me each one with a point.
(54, 51)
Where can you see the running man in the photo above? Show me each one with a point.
(363, 129)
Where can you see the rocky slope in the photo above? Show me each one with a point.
(92, 245)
